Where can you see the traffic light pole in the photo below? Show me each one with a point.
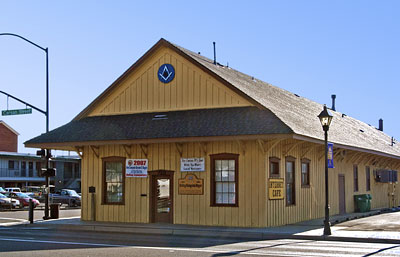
(46, 50)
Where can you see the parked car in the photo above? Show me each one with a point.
(66, 196)
(13, 189)
(2, 190)
(32, 191)
(22, 198)
(42, 193)
(6, 202)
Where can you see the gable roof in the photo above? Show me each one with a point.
(298, 113)
(9, 128)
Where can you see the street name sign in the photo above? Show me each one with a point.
(16, 112)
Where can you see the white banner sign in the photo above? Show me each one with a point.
(192, 164)
(136, 168)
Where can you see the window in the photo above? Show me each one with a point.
(224, 179)
(67, 170)
(30, 168)
(290, 181)
(368, 179)
(10, 165)
(305, 173)
(38, 168)
(355, 176)
(274, 167)
(113, 180)
(23, 169)
(77, 171)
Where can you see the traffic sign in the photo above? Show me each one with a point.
(16, 112)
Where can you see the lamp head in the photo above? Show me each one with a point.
(325, 117)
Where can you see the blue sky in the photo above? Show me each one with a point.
(311, 48)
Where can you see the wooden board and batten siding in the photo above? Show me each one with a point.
(192, 88)
(254, 210)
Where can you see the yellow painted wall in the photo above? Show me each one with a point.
(188, 209)
(255, 209)
(191, 88)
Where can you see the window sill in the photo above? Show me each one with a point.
(224, 205)
(274, 176)
(112, 203)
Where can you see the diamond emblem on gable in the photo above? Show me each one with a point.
(166, 73)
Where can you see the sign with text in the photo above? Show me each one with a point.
(330, 156)
(136, 168)
(190, 185)
(16, 112)
(275, 188)
(192, 164)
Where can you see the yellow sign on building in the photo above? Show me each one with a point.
(275, 188)
(190, 185)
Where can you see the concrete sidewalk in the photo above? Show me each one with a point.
(376, 227)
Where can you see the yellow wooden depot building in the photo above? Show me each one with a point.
(181, 139)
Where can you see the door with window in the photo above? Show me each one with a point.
(161, 196)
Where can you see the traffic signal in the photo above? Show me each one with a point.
(49, 172)
(41, 153)
(44, 153)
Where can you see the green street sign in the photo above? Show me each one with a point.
(16, 112)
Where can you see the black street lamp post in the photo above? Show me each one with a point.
(325, 118)
(46, 113)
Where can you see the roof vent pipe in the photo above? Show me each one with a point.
(215, 54)
(380, 125)
(333, 102)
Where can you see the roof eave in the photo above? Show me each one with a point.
(347, 147)
(73, 145)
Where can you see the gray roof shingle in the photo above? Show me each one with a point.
(300, 113)
(178, 124)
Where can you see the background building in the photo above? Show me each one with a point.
(8, 138)
(22, 169)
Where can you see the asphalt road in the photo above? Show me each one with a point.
(21, 241)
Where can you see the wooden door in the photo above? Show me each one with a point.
(161, 200)
(342, 195)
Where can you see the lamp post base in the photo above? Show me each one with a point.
(327, 228)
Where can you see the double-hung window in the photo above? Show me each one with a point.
(224, 179)
(305, 172)
(368, 179)
(113, 180)
(290, 181)
(274, 167)
(355, 177)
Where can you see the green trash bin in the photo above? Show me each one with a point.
(360, 203)
(369, 198)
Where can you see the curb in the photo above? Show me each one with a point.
(208, 233)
